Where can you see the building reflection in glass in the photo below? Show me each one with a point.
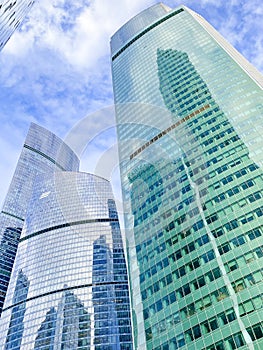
(68, 326)
(105, 318)
(189, 120)
(16, 325)
(8, 247)
(71, 250)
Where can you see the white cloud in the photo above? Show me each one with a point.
(77, 32)
(56, 69)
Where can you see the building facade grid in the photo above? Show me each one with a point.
(188, 119)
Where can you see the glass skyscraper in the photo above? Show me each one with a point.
(43, 152)
(11, 15)
(189, 122)
(69, 287)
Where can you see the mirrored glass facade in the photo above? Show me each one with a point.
(43, 152)
(12, 14)
(189, 120)
(69, 287)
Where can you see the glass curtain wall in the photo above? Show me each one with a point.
(43, 152)
(189, 120)
(69, 287)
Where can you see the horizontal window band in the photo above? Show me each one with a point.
(164, 132)
(45, 156)
(68, 224)
(99, 284)
(145, 31)
(12, 215)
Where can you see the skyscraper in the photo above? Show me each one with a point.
(42, 152)
(71, 256)
(11, 15)
(189, 121)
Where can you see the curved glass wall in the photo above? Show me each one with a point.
(43, 152)
(69, 286)
(11, 15)
(190, 146)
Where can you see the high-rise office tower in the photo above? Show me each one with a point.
(11, 15)
(189, 122)
(69, 285)
(43, 152)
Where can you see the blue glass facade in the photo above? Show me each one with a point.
(188, 110)
(72, 257)
(43, 152)
(11, 15)
(16, 327)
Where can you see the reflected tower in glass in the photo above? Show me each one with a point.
(43, 152)
(71, 255)
(189, 120)
(12, 14)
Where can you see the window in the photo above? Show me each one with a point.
(259, 252)
(201, 282)
(227, 317)
(193, 333)
(255, 332)
(184, 290)
(217, 273)
(213, 324)
(252, 167)
(165, 301)
(259, 212)
(254, 234)
(189, 335)
(146, 313)
(165, 262)
(221, 294)
(190, 310)
(210, 276)
(247, 184)
(211, 218)
(220, 198)
(210, 325)
(159, 305)
(233, 191)
(239, 285)
(202, 240)
(198, 225)
(172, 297)
(156, 287)
(227, 179)
(169, 279)
(238, 241)
(247, 219)
(196, 263)
(250, 279)
(235, 341)
(148, 334)
(178, 254)
(231, 225)
(231, 266)
(144, 295)
(197, 332)
(254, 197)
(208, 256)
(224, 249)
(218, 232)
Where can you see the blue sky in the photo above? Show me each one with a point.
(55, 70)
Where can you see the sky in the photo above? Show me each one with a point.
(55, 70)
